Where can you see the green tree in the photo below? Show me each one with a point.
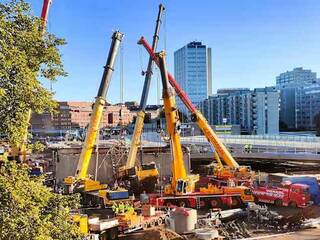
(26, 55)
(1, 92)
(29, 210)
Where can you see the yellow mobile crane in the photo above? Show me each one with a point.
(145, 176)
(182, 190)
(81, 177)
(232, 169)
(181, 183)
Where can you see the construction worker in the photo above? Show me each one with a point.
(246, 148)
(130, 209)
(121, 207)
(250, 148)
(115, 208)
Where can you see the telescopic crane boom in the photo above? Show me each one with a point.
(45, 13)
(181, 190)
(81, 174)
(181, 182)
(146, 172)
(201, 121)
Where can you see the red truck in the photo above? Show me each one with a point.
(287, 194)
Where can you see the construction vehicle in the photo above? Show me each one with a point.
(81, 180)
(181, 182)
(144, 177)
(130, 222)
(181, 190)
(233, 169)
(95, 228)
(123, 220)
(107, 197)
(287, 194)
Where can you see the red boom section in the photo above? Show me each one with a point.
(45, 13)
(201, 121)
(183, 96)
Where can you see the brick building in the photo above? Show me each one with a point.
(152, 111)
(71, 115)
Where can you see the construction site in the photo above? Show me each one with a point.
(168, 185)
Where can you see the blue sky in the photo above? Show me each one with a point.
(252, 41)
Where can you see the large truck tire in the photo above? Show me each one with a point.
(110, 234)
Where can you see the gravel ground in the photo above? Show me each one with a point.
(292, 213)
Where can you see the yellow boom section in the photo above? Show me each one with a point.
(94, 126)
(138, 128)
(86, 152)
(173, 125)
(181, 183)
(135, 141)
(214, 140)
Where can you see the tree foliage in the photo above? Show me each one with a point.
(36, 147)
(29, 210)
(26, 55)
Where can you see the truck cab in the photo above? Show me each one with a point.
(313, 184)
(298, 195)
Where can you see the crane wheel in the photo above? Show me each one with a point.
(202, 203)
(215, 203)
(183, 203)
(293, 204)
(278, 203)
(160, 221)
(235, 202)
(152, 223)
(168, 204)
(111, 234)
(145, 225)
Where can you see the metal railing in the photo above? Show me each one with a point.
(278, 142)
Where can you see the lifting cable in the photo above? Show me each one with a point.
(121, 74)
(165, 31)
(158, 86)
(141, 59)
(121, 120)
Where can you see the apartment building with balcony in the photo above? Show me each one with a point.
(297, 99)
(256, 111)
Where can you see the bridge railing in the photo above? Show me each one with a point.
(265, 143)
(274, 137)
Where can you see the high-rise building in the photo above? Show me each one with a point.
(307, 106)
(256, 111)
(291, 85)
(192, 70)
(209, 71)
(297, 76)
